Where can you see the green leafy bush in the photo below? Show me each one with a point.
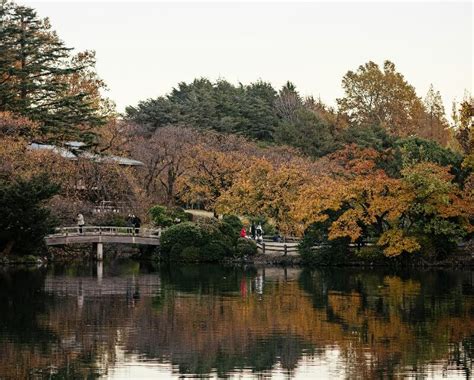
(230, 232)
(186, 234)
(210, 231)
(191, 254)
(175, 252)
(245, 247)
(179, 213)
(211, 240)
(214, 251)
(436, 247)
(414, 150)
(159, 216)
(165, 216)
(370, 253)
(233, 221)
(335, 254)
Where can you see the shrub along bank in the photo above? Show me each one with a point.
(206, 241)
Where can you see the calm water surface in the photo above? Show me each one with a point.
(129, 320)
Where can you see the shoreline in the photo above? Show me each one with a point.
(464, 259)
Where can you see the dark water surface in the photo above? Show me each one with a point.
(129, 320)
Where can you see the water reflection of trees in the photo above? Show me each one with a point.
(29, 347)
(381, 323)
(405, 321)
(48, 335)
(205, 319)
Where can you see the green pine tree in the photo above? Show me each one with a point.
(36, 71)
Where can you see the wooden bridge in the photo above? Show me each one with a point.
(99, 235)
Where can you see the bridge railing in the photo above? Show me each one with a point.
(107, 230)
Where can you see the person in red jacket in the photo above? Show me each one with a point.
(243, 233)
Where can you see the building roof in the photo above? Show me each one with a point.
(75, 144)
(63, 152)
(74, 153)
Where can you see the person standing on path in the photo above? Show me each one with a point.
(259, 231)
(80, 222)
(243, 233)
(252, 230)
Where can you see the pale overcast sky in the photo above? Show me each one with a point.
(146, 48)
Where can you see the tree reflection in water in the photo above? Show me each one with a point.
(223, 320)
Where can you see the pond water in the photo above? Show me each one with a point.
(129, 320)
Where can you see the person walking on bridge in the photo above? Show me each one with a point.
(137, 223)
(80, 222)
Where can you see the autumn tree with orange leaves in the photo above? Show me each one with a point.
(423, 209)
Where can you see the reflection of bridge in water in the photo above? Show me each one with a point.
(100, 235)
(99, 284)
(93, 287)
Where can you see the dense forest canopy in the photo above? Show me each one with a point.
(373, 97)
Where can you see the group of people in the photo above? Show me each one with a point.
(256, 232)
(135, 222)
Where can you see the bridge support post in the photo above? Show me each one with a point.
(100, 271)
(100, 251)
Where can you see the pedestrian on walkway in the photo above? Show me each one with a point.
(137, 223)
(259, 232)
(243, 233)
(80, 222)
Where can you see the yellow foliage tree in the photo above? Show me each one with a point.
(269, 190)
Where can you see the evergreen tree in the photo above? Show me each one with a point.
(220, 106)
(153, 113)
(463, 119)
(25, 221)
(36, 73)
(288, 102)
(308, 132)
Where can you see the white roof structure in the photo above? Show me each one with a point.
(63, 152)
(75, 144)
(74, 153)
